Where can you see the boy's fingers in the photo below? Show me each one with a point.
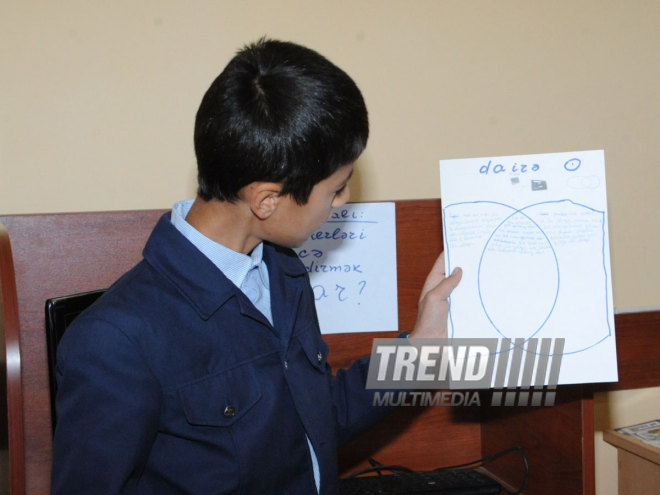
(450, 283)
(442, 290)
(435, 276)
(434, 308)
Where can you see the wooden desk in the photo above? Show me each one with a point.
(43, 256)
(639, 464)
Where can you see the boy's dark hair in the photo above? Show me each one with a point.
(278, 112)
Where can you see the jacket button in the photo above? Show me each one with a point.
(286, 365)
(229, 411)
(319, 356)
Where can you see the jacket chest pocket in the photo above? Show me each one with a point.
(220, 399)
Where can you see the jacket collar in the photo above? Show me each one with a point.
(288, 277)
(205, 287)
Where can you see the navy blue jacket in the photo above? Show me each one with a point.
(174, 383)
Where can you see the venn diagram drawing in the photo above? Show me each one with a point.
(542, 271)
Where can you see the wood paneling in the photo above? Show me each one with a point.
(11, 384)
(637, 349)
(55, 255)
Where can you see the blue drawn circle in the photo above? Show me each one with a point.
(573, 164)
(527, 310)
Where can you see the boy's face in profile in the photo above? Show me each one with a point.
(294, 223)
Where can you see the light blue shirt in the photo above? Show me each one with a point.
(247, 272)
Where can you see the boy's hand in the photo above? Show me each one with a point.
(433, 309)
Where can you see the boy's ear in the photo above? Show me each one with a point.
(264, 198)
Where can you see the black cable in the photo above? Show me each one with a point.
(394, 468)
(397, 469)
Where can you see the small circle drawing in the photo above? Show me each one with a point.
(573, 164)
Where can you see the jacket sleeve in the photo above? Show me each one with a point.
(354, 404)
(107, 411)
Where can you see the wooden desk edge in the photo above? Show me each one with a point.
(632, 444)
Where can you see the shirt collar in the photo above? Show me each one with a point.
(233, 264)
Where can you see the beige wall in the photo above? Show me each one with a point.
(98, 98)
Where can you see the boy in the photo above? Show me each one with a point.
(202, 370)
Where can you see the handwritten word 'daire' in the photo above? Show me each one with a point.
(516, 168)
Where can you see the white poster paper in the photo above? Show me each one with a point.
(351, 261)
(530, 233)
